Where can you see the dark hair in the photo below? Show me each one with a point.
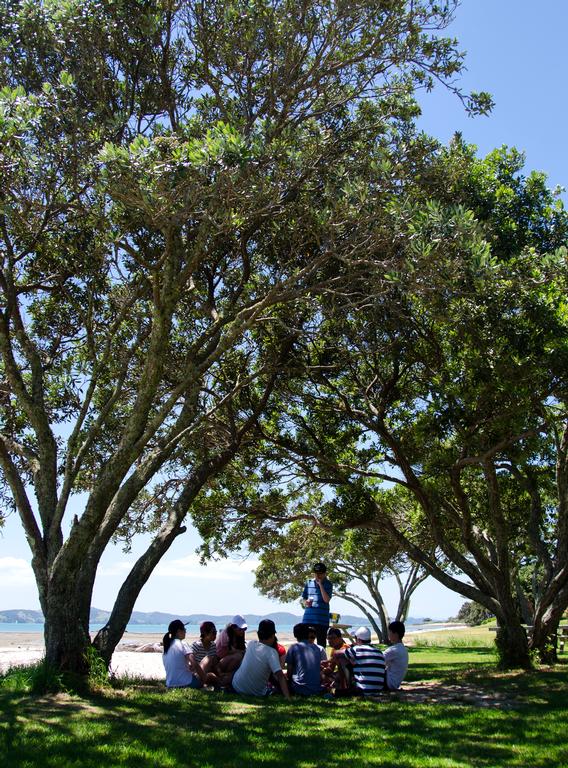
(206, 627)
(398, 628)
(266, 629)
(334, 632)
(236, 642)
(170, 635)
(301, 631)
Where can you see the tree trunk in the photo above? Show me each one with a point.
(380, 632)
(544, 638)
(512, 645)
(109, 636)
(66, 631)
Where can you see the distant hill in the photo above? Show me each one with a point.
(98, 616)
(20, 616)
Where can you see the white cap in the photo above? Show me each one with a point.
(363, 633)
(238, 621)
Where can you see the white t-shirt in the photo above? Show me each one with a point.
(396, 661)
(259, 661)
(175, 663)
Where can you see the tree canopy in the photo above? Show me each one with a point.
(181, 182)
(450, 384)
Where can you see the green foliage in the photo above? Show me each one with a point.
(98, 674)
(225, 250)
(38, 678)
(473, 614)
(448, 381)
(180, 181)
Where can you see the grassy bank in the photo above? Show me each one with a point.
(482, 637)
(144, 726)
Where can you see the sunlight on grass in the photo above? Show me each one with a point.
(142, 726)
(472, 637)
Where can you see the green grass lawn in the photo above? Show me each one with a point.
(144, 726)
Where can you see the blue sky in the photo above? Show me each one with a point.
(516, 51)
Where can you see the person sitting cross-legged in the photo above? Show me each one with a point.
(259, 662)
(368, 665)
(180, 671)
(204, 650)
(231, 646)
(303, 662)
(396, 656)
(335, 671)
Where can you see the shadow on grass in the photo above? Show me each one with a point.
(189, 728)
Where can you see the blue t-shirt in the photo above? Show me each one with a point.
(318, 613)
(304, 659)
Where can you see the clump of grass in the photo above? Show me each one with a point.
(422, 642)
(467, 642)
(40, 678)
(453, 641)
(98, 672)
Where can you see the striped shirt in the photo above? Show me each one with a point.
(318, 612)
(200, 652)
(368, 668)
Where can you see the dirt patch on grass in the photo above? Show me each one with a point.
(53, 703)
(436, 692)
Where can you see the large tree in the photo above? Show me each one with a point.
(452, 387)
(175, 175)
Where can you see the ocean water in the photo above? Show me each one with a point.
(131, 629)
(192, 629)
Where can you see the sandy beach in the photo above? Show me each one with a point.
(137, 655)
(22, 648)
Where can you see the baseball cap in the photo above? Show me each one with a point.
(266, 629)
(363, 633)
(238, 621)
(320, 568)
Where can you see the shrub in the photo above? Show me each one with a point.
(473, 614)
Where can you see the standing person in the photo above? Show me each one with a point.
(177, 661)
(368, 665)
(316, 596)
(396, 656)
(303, 662)
(259, 662)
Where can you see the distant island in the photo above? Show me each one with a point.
(98, 616)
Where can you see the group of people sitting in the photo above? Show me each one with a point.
(263, 666)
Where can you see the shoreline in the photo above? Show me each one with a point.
(23, 640)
